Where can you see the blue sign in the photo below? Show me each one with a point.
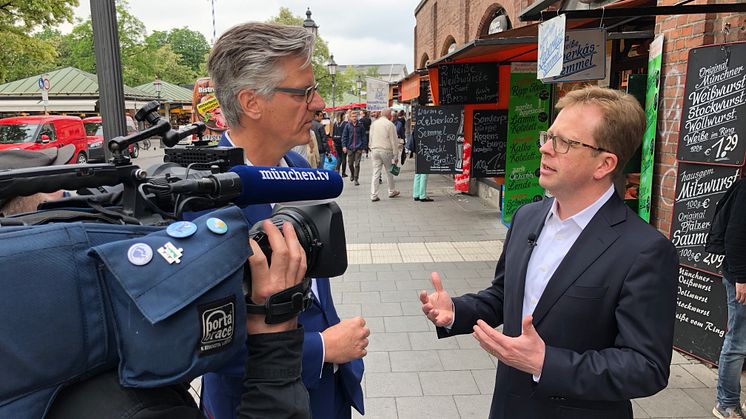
(551, 47)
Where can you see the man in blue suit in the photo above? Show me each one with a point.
(265, 85)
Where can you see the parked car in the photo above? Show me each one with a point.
(44, 131)
(95, 137)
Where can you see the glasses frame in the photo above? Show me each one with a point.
(306, 92)
(545, 136)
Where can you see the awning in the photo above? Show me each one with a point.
(410, 87)
(55, 105)
(345, 107)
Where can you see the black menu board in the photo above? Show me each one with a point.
(701, 314)
(713, 119)
(488, 143)
(698, 189)
(435, 131)
(467, 83)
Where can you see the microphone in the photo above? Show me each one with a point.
(265, 185)
(532, 240)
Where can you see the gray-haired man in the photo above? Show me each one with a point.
(265, 85)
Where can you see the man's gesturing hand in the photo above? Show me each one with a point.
(438, 306)
(345, 341)
(525, 352)
(287, 269)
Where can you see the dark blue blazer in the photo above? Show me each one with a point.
(331, 396)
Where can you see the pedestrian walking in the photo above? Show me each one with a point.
(383, 146)
(354, 144)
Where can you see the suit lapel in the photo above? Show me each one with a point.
(524, 254)
(596, 237)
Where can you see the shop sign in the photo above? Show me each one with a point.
(714, 103)
(645, 191)
(584, 56)
(436, 129)
(377, 94)
(470, 83)
(551, 47)
(488, 143)
(701, 314)
(699, 187)
(528, 114)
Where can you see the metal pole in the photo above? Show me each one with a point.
(108, 69)
(333, 99)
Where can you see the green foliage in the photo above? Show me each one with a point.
(190, 46)
(21, 52)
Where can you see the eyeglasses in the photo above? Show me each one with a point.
(561, 145)
(307, 92)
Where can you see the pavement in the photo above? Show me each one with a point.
(393, 245)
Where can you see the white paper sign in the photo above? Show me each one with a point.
(551, 47)
(378, 94)
(584, 57)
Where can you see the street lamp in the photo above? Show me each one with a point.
(359, 85)
(332, 66)
(158, 85)
(309, 24)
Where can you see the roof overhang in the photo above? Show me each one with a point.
(54, 105)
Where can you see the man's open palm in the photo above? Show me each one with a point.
(438, 306)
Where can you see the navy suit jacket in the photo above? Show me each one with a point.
(606, 317)
(331, 394)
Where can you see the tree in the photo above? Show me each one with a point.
(191, 47)
(17, 20)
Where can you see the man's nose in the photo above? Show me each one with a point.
(547, 148)
(317, 103)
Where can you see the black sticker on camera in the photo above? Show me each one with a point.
(217, 322)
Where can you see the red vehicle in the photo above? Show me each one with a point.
(95, 137)
(44, 131)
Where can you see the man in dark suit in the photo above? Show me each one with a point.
(585, 290)
(265, 85)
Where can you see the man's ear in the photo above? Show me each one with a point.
(606, 165)
(250, 104)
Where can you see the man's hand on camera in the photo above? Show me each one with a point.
(288, 269)
(346, 341)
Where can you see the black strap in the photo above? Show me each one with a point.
(284, 305)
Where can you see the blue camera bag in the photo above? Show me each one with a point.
(73, 304)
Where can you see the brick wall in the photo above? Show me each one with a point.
(681, 33)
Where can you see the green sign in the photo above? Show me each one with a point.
(648, 140)
(528, 113)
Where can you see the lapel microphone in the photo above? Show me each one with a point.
(532, 240)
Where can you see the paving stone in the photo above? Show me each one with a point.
(415, 361)
(344, 286)
(375, 324)
(681, 378)
(448, 383)
(466, 342)
(382, 309)
(678, 358)
(378, 408)
(672, 402)
(399, 296)
(703, 373)
(485, 380)
(427, 407)
(378, 285)
(638, 412)
(376, 268)
(406, 324)
(704, 397)
(393, 384)
(429, 340)
(347, 311)
(393, 276)
(465, 359)
(414, 284)
(377, 362)
(388, 342)
(473, 406)
(362, 297)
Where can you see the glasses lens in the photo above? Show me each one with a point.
(542, 138)
(560, 144)
(310, 91)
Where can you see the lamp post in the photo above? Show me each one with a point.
(332, 66)
(158, 85)
(309, 24)
(359, 85)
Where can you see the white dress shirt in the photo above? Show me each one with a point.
(555, 240)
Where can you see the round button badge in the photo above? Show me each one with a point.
(181, 229)
(217, 226)
(140, 254)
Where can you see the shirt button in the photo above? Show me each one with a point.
(559, 237)
(543, 269)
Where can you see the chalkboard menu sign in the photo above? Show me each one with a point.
(435, 132)
(467, 83)
(713, 119)
(698, 189)
(489, 143)
(701, 314)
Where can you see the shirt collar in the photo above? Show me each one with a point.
(227, 134)
(584, 217)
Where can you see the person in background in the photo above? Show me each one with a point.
(265, 84)
(383, 144)
(322, 147)
(584, 288)
(733, 352)
(401, 128)
(312, 151)
(339, 125)
(366, 120)
(354, 144)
